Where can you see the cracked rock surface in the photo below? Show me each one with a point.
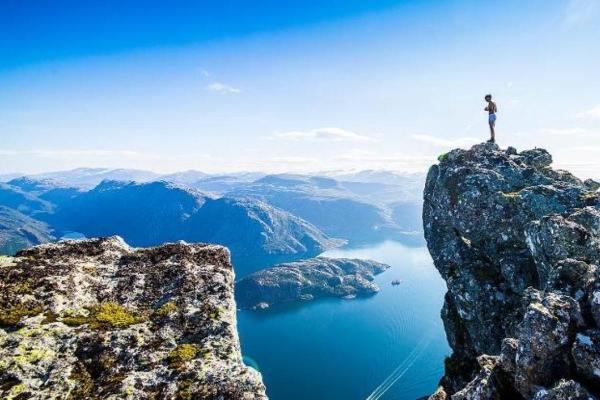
(99, 319)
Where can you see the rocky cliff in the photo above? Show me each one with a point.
(307, 280)
(518, 244)
(98, 319)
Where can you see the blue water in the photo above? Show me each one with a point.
(344, 349)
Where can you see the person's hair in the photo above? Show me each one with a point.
(488, 96)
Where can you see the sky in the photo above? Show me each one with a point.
(298, 86)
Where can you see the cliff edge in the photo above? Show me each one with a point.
(98, 319)
(518, 244)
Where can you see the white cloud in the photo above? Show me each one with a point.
(326, 134)
(204, 73)
(591, 149)
(77, 153)
(563, 131)
(441, 142)
(86, 155)
(371, 156)
(293, 160)
(580, 11)
(591, 113)
(361, 159)
(222, 88)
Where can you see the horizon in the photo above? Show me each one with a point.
(294, 88)
(322, 173)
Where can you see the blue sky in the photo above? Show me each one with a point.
(293, 86)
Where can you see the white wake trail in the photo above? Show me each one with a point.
(394, 372)
(401, 369)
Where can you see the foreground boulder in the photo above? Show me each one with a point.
(308, 280)
(518, 244)
(98, 319)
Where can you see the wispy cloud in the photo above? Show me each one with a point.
(70, 153)
(293, 160)
(326, 134)
(361, 159)
(441, 142)
(96, 154)
(580, 11)
(222, 88)
(563, 131)
(591, 149)
(591, 113)
(369, 156)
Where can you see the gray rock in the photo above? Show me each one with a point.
(307, 280)
(592, 184)
(508, 355)
(565, 390)
(537, 158)
(545, 336)
(490, 383)
(586, 354)
(518, 244)
(98, 319)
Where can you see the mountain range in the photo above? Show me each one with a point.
(263, 219)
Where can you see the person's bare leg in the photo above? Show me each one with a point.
(493, 131)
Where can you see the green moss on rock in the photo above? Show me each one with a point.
(12, 316)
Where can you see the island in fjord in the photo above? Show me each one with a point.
(307, 280)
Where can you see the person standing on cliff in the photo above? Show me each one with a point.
(491, 108)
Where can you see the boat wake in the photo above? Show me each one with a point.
(401, 369)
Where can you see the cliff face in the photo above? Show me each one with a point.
(98, 319)
(518, 244)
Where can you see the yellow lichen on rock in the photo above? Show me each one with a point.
(105, 316)
(183, 353)
(15, 391)
(166, 309)
(116, 316)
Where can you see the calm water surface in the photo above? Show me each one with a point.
(346, 349)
